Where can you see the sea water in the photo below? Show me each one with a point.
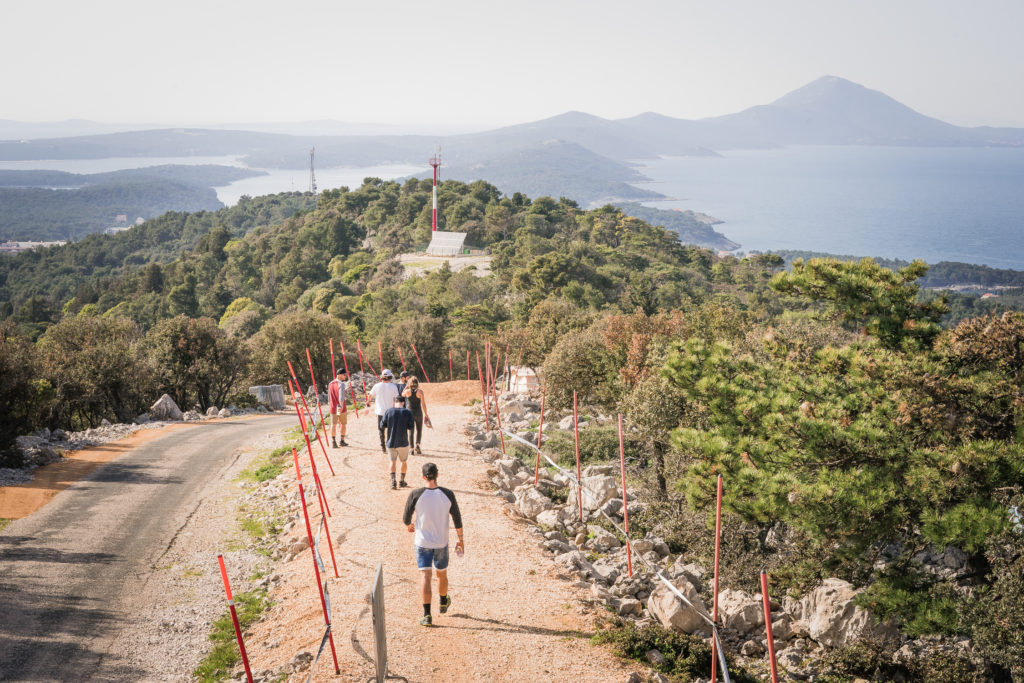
(937, 203)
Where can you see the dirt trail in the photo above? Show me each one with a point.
(512, 619)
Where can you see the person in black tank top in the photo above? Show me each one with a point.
(417, 403)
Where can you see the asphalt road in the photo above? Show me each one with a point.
(69, 572)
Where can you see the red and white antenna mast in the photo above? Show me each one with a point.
(435, 162)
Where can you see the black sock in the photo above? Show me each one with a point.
(426, 609)
(403, 476)
(444, 599)
(392, 476)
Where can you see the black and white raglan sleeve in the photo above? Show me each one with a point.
(454, 512)
(410, 505)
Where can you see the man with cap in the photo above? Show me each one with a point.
(397, 421)
(432, 505)
(382, 396)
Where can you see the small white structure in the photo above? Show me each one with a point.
(522, 380)
(446, 243)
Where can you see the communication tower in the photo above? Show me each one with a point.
(435, 162)
(312, 172)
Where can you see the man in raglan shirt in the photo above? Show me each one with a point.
(337, 391)
(382, 395)
(432, 505)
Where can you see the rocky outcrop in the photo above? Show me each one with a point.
(830, 617)
(165, 409)
(270, 395)
(673, 613)
(740, 611)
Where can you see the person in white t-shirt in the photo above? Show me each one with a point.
(432, 506)
(382, 396)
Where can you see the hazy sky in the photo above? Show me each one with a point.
(480, 61)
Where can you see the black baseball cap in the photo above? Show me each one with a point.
(405, 373)
(430, 471)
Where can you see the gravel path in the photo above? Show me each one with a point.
(513, 617)
(116, 579)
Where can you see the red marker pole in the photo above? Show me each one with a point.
(355, 406)
(360, 349)
(334, 372)
(295, 402)
(366, 395)
(402, 358)
(380, 353)
(234, 617)
(451, 375)
(714, 599)
(483, 394)
(316, 477)
(422, 369)
(316, 392)
(625, 501)
(304, 405)
(327, 531)
(576, 431)
(540, 436)
(768, 625)
(316, 572)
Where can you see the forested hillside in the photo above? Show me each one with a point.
(31, 209)
(858, 436)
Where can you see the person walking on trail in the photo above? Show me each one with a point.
(398, 422)
(432, 505)
(337, 390)
(416, 402)
(382, 395)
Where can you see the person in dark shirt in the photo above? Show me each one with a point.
(397, 421)
(432, 505)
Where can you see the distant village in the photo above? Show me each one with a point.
(120, 225)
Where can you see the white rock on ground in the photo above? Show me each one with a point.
(673, 613)
(740, 611)
(597, 490)
(831, 618)
(165, 409)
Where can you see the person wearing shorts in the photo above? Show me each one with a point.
(396, 422)
(336, 393)
(432, 505)
(381, 396)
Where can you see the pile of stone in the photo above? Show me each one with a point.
(590, 551)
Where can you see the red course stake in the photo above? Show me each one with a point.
(625, 501)
(306, 406)
(402, 358)
(422, 369)
(380, 353)
(334, 372)
(576, 431)
(234, 617)
(316, 570)
(768, 625)
(497, 413)
(316, 476)
(316, 392)
(327, 531)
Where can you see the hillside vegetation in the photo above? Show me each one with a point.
(30, 209)
(856, 433)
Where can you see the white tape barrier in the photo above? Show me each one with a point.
(652, 567)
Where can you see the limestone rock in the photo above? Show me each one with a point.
(673, 613)
(597, 490)
(830, 617)
(191, 416)
(223, 412)
(532, 502)
(165, 409)
(211, 411)
(739, 611)
(629, 607)
(270, 395)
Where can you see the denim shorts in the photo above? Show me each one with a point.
(436, 556)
